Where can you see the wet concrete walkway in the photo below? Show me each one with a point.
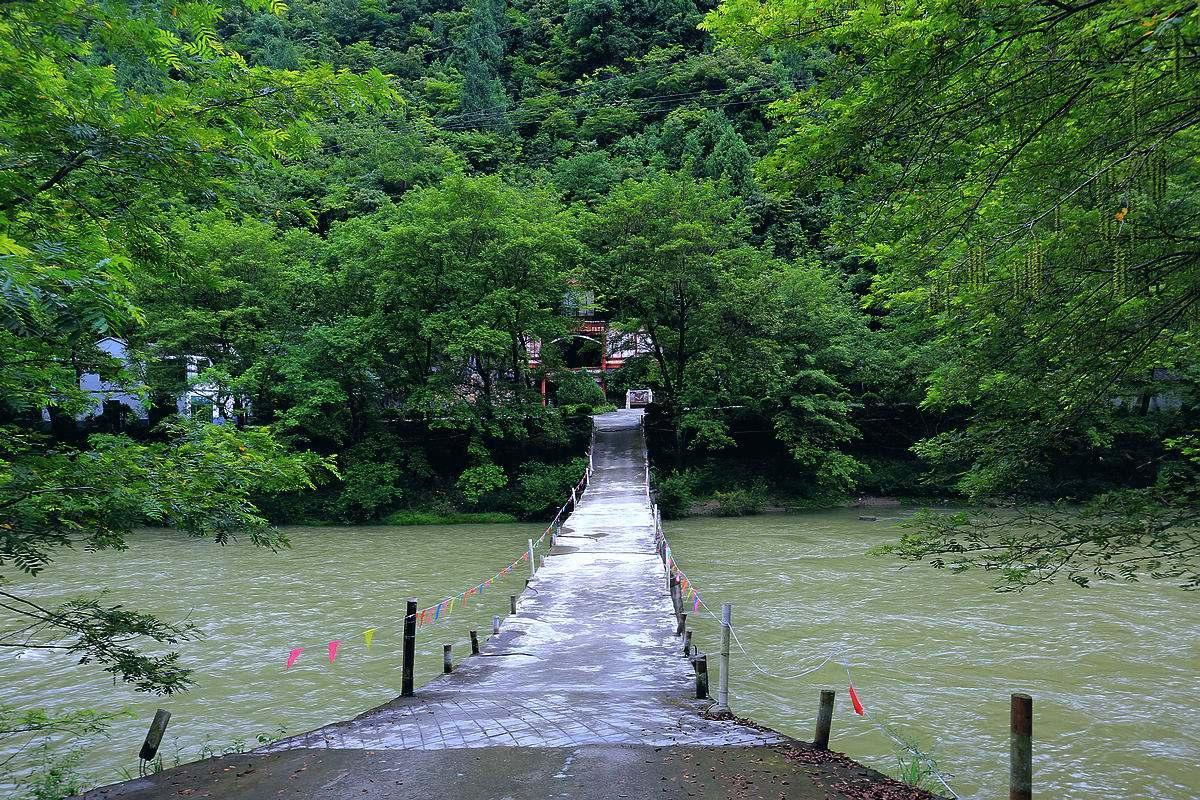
(584, 694)
(591, 655)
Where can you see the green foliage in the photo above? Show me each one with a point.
(675, 493)
(402, 518)
(479, 480)
(543, 488)
(55, 745)
(738, 502)
(1029, 243)
(578, 389)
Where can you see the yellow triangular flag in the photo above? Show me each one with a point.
(368, 635)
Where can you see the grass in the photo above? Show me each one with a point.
(452, 518)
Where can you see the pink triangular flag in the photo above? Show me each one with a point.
(292, 656)
(333, 648)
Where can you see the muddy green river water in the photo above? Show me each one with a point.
(1114, 670)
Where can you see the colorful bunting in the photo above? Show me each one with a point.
(333, 648)
(368, 636)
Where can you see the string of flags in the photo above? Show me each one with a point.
(445, 607)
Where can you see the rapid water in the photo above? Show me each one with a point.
(1113, 670)
(254, 606)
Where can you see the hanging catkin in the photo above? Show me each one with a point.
(1037, 269)
(1120, 279)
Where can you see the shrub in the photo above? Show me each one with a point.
(409, 517)
(479, 480)
(738, 502)
(675, 494)
(544, 486)
(578, 388)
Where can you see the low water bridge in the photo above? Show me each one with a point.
(582, 694)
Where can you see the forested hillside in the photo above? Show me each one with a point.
(911, 249)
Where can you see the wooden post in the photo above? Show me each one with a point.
(410, 648)
(495, 625)
(474, 643)
(723, 678)
(701, 665)
(532, 565)
(681, 626)
(1020, 749)
(158, 726)
(824, 720)
(687, 643)
(447, 660)
(512, 604)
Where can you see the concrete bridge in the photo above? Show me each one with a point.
(585, 693)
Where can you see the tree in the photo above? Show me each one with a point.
(1020, 176)
(483, 102)
(110, 118)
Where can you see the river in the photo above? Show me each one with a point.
(1113, 669)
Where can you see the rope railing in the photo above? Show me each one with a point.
(551, 530)
(837, 655)
(443, 609)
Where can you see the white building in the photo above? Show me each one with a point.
(204, 401)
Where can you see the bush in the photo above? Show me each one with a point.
(578, 388)
(675, 494)
(479, 480)
(543, 487)
(738, 503)
(409, 517)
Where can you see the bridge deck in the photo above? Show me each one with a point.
(585, 695)
(590, 657)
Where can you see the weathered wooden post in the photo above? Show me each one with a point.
(1020, 749)
(681, 625)
(532, 565)
(512, 604)
(447, 660)
(722, 705)
(474, 643)
(158, 726)
(701, 665)
(410, 648)
(495, 625)
(687, 643)
(824, 720)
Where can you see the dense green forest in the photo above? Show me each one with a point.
(919, 248)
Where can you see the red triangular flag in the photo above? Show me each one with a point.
(858, 706)
(292, 656)
(333, 648)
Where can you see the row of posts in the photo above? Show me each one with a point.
(408, 657)
(691, 651)
(1020, 705)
